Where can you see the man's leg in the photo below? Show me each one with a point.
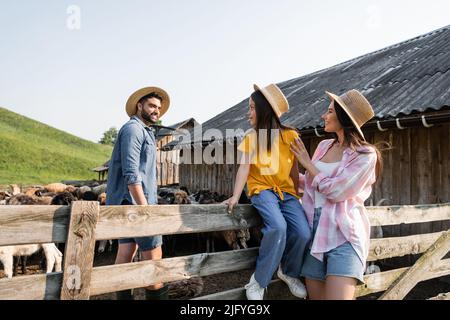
(127, 250)
(153, 254)
(151, 250)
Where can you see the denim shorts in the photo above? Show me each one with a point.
(144, 243)
(341, 261)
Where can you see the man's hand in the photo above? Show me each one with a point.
(138, 194)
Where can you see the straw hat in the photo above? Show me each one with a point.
(356, 106)
(276, 98)
(133, 100)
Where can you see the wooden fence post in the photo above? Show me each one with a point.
(79, 253)
(403, 285)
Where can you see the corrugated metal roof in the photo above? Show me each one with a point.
(408, 77)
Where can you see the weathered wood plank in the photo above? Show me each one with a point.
(376, 282)
(43, 224)
(277, 290)
(145, 273)
(392, 215)
(32, 287)
(79, 253)
(33, 224)
(47, 286)
(400, 246)
(131, 275)
(138, 221)
(400, 288)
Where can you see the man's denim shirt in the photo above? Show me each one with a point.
(133, 161)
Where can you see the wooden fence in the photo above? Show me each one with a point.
(84, 222)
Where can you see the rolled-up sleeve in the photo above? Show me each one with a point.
(131, 141)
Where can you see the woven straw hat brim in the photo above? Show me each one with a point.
(131, 106)
(346, 109)
(272, 101)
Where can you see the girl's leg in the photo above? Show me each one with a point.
(340, 288)
(298, 235)
(274, 236)
(316, 289)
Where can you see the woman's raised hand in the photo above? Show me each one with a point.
(300, 152)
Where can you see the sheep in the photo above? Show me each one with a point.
(81, 190)
(35, 191)
(52, 255)
(173, 196)
(102, 199)
(99, 189)
(102, 245)
(89, 196)
(56, 187)
(186, 289)
(4, 195)
(63, 199)
(22, 199)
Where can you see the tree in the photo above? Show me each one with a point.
(109, 136)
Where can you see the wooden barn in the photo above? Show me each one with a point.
(408, 85)
(168, 162)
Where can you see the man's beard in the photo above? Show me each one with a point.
(147, 117)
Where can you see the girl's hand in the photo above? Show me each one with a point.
(231, 203)
(300, 152)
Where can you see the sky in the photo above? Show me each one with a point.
(73, 64)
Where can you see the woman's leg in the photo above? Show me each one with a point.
(340, 288)
(316, 289)
(298, 235)
(274, 236)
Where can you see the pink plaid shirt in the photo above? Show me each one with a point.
(344, 217)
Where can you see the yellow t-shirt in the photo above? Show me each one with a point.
(270, 170)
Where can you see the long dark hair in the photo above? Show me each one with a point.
(266, 119)
(353, 138)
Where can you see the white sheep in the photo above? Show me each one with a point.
(52, 255)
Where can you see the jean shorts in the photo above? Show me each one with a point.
(144, 243)
(341, 261)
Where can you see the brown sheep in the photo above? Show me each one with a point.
(186, 289)
(56, 187)
(23, 199)
(35, 191)
(102, 199)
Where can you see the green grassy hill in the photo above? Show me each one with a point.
(34, 153)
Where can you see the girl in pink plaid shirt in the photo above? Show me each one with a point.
(338, 180)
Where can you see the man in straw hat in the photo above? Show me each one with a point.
(132, 175)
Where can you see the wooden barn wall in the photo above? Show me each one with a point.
(416, 169)
(167, 164)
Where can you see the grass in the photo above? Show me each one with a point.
(34, 153)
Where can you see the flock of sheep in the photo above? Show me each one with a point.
(62, 194)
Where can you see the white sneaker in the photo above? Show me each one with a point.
(295, 285)
(254, 290)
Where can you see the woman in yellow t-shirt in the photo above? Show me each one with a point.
(271, 173)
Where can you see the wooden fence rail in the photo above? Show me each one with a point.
(85, 222)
